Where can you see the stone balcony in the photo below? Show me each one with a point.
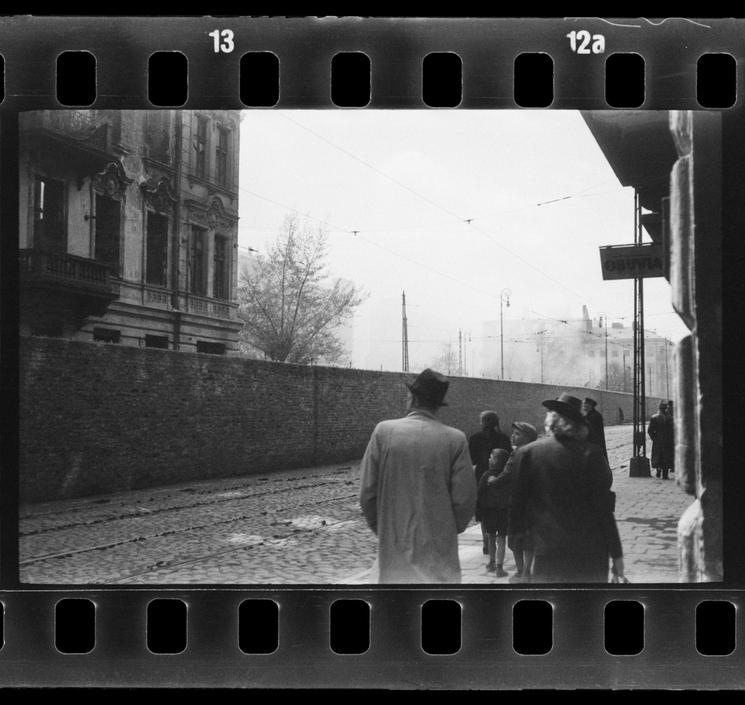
(39, 269)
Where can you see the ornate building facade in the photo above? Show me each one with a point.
(129, 227)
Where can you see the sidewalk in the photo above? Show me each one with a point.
(647, 513)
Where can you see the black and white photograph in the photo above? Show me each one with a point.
(294, 347)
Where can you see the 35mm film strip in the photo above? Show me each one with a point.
(124, 234)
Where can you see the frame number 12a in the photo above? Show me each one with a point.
(582, 42)
(223, 40)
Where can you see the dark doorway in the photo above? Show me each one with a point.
(107, 232)
(157, 249)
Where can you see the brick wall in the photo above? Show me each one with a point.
(103, 418)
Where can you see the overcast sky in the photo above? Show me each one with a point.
(538, 191)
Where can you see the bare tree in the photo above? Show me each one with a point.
(289, 305)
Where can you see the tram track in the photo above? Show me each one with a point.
(161, 510)
(168, 565)
(171, 532)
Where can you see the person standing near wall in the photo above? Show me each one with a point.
(417, 489)
(480, 445)
(660, 431)
(595, 424)
(562, 495)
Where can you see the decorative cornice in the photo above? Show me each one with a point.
(211, 215)
(159, 194)
(112, 181)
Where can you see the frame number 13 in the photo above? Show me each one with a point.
(223, 40)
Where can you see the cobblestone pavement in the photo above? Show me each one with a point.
(291, 527)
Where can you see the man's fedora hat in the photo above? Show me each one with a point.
(430, 387)
(566, 405)
(591, 402)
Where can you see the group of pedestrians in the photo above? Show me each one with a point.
(547, 499)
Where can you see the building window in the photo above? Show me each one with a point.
(221, 156)
(107, 231)
(200, 146)
(157, 135)
(212, 348)
(221, 275)
(157, 249)
(156, 341)
(197, 270)
(50, 227)
(107, 335)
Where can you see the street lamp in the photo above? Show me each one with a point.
(604, 324)
(540, 349)
(504, 297)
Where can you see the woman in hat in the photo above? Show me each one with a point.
(521, 545)
(561, 495)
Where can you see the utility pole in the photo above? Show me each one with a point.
(540, 349)
(603, 323)
(460, 353)
(667, 372)
(639, 464)
(473, 364)
(465, 355)
(504, 295)
(404, 335)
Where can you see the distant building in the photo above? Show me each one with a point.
(573, 352)
(128, 227)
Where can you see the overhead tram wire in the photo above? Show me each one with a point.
(441, 207)
(356, 234)
(373, 168)
(468, 221)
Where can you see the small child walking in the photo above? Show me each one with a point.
(493, 508)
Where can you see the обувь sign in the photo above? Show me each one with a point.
(631, 261)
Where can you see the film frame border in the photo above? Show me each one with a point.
(305, 47)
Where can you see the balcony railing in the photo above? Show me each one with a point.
(210, 307)
(66, 270)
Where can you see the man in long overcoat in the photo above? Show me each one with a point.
(418, 491)
(660, 430)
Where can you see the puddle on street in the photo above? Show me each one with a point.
(245, 539)
(310, 521)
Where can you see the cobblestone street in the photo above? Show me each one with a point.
(291, 527)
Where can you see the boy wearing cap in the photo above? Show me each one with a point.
(480, 445)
